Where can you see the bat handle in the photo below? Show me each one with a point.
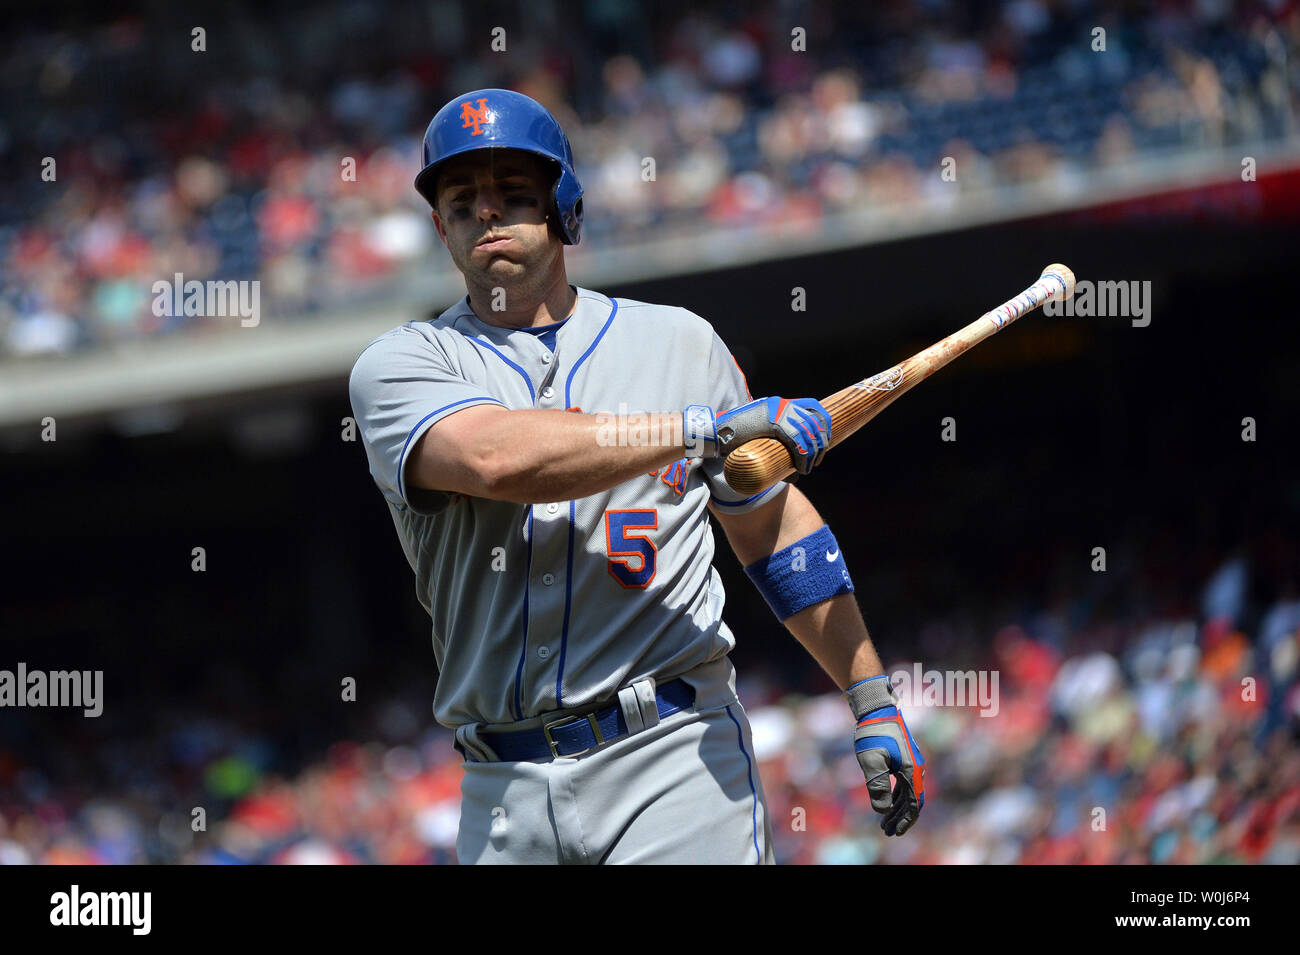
(757, 465)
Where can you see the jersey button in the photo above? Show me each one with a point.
(543, 653)
(548, 579)
(552, 508)
(547, 391)
(546, 358)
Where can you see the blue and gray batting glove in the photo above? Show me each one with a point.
(885, 748)
(801, 424)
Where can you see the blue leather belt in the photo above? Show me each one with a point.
(574, 735)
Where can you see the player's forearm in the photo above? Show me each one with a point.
(834, 633)
(833, 630)
(536, 456)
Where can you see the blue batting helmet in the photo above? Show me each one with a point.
(504, 119)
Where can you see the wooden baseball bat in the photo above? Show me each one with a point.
(757, 465)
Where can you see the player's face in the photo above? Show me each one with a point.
(491, 214)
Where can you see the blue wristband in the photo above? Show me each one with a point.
(805, 573)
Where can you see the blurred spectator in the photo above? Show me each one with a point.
(293, 162)
(1156, 754)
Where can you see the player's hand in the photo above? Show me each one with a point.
(885, 749)
(801, 424)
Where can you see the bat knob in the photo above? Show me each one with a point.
(1064, 275)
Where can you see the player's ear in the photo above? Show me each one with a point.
(438, 226)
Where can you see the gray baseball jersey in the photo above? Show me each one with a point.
(550, 606)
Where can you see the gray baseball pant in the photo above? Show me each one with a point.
(683, 791)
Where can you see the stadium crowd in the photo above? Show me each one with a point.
(284, 151)
(1140, 738)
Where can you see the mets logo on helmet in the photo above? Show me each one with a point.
(474, 116)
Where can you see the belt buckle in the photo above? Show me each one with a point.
(569, 721)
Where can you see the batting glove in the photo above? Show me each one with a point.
(801, 424)
(885, 748)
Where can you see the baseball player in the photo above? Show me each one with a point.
(549, 457)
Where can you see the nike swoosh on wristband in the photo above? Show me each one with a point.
(832, 558)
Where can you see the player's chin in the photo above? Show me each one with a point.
(502, 265)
